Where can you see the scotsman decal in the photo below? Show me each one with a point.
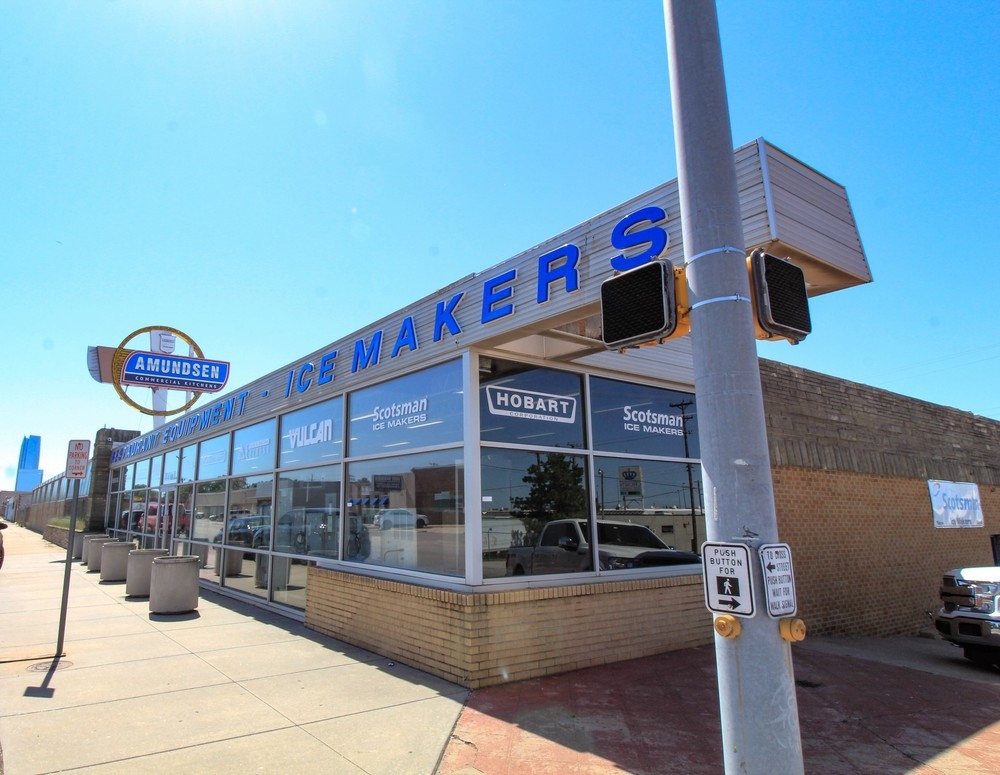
(649, 421)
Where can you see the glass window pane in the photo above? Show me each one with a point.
(155, 471)
(141, 474)
(308, 514)
(522, 492)
(171, 466)
(643, 420)
(312, 435)
(253, 448)
(417, 410)
(182, 509)
(188, 460)
(249, 511)
(213, 457)
(408, 512)
(523, 404)
(665, 497)
(210, 510)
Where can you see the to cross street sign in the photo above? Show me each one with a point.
(728, 580)
(779, 580)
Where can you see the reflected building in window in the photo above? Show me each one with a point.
(29, 475)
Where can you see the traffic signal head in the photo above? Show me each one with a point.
(780, 302)
(645, 305)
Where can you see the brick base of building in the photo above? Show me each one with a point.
(479, 639)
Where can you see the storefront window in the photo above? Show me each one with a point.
(643, 420)
(253, 448)
(418, 410)
(408, 512)
(308, 514)
(664, 496)
(213, 457)
(141, 474)
(188, 460)
(155, 471)
(210, 510)
(313, 435)
(522, 493)
(522, 404)
(171, 464)
(248, 530)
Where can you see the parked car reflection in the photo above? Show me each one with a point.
(315, 531)
(241, 530)
(390, 518)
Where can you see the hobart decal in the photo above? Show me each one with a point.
(531, 405)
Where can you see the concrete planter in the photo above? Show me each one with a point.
(85, 555)
(114, 560)
(140, 570)
(173, 584)
(96, 552)
(79, 540)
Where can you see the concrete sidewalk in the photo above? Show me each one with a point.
(233, 688)
(230, 688)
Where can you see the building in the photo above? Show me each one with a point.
(29, 476)
(377, 487)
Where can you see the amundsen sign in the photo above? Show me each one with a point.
(174, 371)
(159, 369)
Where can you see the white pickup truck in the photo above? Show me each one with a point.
(564, 547)
(970, 612)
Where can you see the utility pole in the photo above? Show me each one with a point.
(683, 405)
(759, 713)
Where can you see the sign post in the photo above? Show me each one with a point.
(757, 702)
(77, 459)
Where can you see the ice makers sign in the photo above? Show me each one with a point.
(955, 504)
(531, 405)
(174, 371)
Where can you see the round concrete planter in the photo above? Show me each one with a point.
(140, 570)
(85, 556)
(96, 552)
(173, 584)
(114, 560)
(79, 540)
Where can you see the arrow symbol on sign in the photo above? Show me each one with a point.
(733, 604)
(771, 566)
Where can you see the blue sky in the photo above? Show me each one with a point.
(269, 176)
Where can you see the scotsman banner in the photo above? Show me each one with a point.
(955, 504)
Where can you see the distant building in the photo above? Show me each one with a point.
(29, 475)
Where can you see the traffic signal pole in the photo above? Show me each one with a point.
(759, 713)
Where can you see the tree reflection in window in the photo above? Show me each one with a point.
(556, 492)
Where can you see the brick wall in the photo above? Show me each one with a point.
(486, 638)
(850, 465)
(867, 557)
